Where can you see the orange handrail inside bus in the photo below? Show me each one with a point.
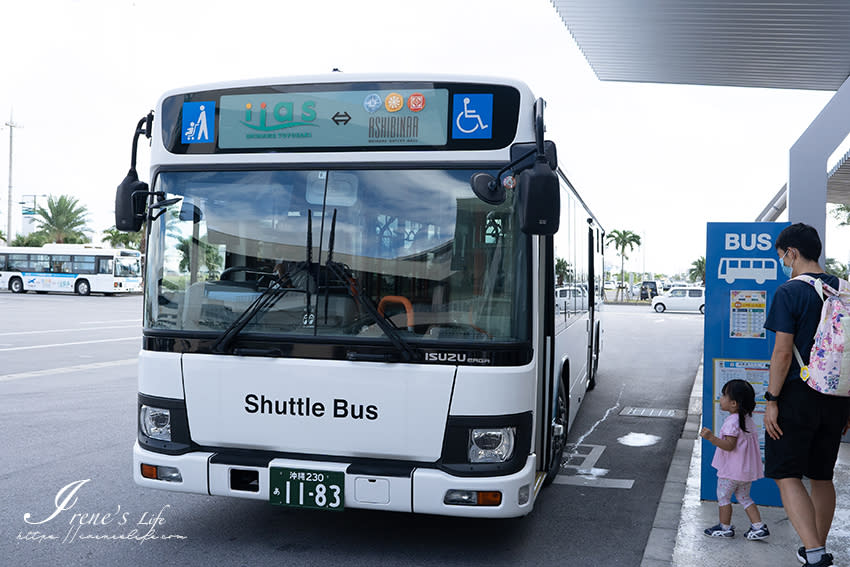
(408, 307)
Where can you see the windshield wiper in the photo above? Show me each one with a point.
(352, 286)
(264, 301)
(270, 296)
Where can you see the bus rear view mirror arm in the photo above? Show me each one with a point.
(131, 195)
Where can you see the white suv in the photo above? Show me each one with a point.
(680, 299)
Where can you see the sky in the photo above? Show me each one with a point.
(659, 160)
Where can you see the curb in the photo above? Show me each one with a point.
(665, 527)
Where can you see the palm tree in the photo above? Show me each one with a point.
(34, 239)
(836, 268)
(562, 270)
(841, 213)
(211, 257)
(118, 239)
(3, 237)
(697, 272)
(63, 221)
(622, 239)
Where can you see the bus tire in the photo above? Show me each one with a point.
(16, 285)
(559, 440)
(82, 287)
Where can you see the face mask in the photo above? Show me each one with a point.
(787, 270)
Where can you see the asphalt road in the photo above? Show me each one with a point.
(67, 425)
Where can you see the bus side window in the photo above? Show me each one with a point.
(104, 265)
(60, 264)
(40, 262)
(83, 265)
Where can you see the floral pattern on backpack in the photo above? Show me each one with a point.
(828, 371)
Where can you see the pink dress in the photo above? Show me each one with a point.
(743, 463)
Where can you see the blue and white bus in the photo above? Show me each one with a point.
(73, 268)
(350, 294)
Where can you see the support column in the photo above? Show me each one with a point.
(807, 169)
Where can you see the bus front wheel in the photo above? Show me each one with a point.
(16, 285)
(82, 287)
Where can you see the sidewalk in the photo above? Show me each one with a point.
(677, 540)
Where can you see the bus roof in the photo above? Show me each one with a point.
(55, 248)
(336, 78)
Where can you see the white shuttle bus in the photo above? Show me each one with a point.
(74, 268)
(350, 294)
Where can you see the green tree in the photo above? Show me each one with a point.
(836, 268)
(63, 220)
(211, 257)
(3, 237)
(118, 239)
(562, 270)
(697, 271)
(841, 213)
(622, 239)
(35, 239)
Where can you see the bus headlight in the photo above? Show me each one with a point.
(155, 422)
(491, 445)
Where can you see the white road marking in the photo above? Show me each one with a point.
(135, 338)
(594, 482)
(67, 369)
(136, 320)
(77, 330)
(586, 474)
(639, 439)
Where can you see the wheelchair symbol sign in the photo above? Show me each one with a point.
(472, 116)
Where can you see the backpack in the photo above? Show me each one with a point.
(829, 363)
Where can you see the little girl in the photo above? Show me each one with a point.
(737, 460)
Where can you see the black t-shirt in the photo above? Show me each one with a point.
(796, 309)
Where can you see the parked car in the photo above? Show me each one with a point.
(610, 284)
(649, 289)
(681, 299)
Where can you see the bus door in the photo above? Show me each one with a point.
(547, 375)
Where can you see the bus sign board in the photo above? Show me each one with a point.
(741, 277)
(375, 116)
(334, 118)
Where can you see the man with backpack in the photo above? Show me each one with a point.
(803, 427)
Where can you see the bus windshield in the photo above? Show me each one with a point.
(435, 260)
(128, 267)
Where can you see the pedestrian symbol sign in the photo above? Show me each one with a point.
(198, 122)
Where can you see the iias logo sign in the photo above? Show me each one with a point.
(283, 115)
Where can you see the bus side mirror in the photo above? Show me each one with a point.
(130, 200)
(539, 199)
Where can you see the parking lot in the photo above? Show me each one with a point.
(67, 412)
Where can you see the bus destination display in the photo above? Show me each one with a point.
(355, 118)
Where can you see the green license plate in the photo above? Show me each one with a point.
(307, 488)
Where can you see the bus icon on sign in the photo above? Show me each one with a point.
(759, 269)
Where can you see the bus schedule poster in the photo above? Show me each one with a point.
(747, 312)
(742, 272)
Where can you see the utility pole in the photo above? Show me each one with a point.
(12, 125)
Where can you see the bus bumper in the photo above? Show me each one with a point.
(423, 491)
